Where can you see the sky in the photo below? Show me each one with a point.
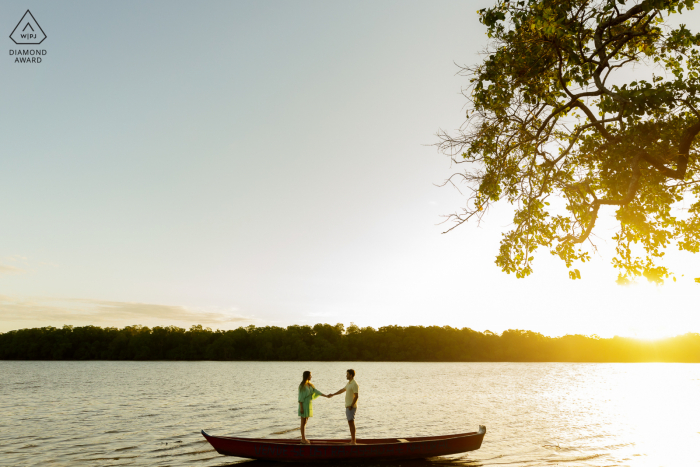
(269, 163)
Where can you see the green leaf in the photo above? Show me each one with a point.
(521, 143)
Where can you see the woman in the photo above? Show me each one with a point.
(307, 393)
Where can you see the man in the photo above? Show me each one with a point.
(351, 391)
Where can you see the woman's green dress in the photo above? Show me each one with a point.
(307, 393)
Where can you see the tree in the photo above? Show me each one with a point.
(591, 105)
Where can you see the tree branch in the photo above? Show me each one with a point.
(629, 196)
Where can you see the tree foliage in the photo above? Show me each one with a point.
(325, 342)
(581, 106)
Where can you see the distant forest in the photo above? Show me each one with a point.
(325, 342)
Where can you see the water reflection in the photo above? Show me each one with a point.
(432, 462)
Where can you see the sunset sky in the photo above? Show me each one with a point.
(269, 163)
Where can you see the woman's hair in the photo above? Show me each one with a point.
(305, 379)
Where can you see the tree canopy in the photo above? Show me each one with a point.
(577, 107)
(325, 342)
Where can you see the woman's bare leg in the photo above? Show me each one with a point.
(303, 430)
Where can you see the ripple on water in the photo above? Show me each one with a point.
(150, 413)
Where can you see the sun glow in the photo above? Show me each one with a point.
(661, 427)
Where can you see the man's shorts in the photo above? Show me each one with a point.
(350, 413)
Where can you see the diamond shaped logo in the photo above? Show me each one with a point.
(28, 31)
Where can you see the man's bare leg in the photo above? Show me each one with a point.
(351, 423)
(303, 431)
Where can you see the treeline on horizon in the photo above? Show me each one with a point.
(325, 342)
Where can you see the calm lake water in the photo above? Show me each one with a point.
(150, 413)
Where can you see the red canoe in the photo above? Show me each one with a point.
(334, 449)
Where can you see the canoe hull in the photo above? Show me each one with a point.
(324, 450)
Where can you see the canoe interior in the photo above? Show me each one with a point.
(345, 441)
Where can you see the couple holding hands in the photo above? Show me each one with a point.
(307, 393)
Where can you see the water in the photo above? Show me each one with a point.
(150, 413)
